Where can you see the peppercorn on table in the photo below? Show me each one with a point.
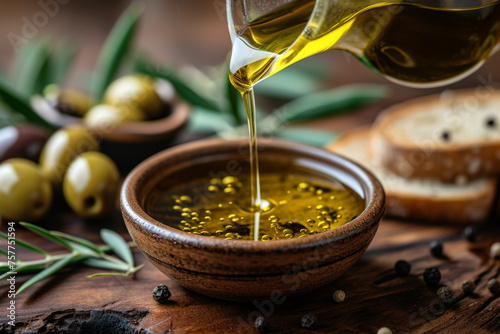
(385, 291)
(376, 295)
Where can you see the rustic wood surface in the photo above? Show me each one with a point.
(71, 302)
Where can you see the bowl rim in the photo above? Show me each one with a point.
(161, 128)
(151, 130)
(365, 221)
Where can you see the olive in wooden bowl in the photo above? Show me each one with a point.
(138, 116)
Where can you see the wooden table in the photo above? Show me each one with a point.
(70, 302)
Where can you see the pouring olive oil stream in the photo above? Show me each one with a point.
(415, 43)
(408, 42)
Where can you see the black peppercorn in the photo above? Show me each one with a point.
(445, 136)
(309, 321)
(470, 233)
(432, 276)
(261, 325)
(446, 295)
(491, 122)
(161, 294)
(468, 287)
(493, 285)
(436, 248)
(402, 268)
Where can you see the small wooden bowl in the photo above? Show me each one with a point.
(129, 143)
(247, 270)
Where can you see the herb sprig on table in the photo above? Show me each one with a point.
(82, 251)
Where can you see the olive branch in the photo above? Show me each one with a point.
(82, 251)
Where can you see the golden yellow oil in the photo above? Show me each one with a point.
(408, 44)
(296, 203)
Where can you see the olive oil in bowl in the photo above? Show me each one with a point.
(297, 202)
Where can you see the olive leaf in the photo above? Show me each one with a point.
(115, 48)
(18, 104)
(182, 89)
(288, 84)
(308, 136)
(4, 252)
(60, 61)
(108, 274)
(3, 77)
(118, 245)
(206, 121)
(21, 59)
(25, 245)
(48, 271)
(46, 234)
(309, 107)
(22, 270)
(128, 273)
(104, 264)
(331, 102)
(81, 251)
(34, 73)
(77, 240)
(233, 97)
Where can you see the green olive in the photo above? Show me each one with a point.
(135, 91)
(103, 115)
(61, 148)
(68, 101)
(25, 192)
(91, 184)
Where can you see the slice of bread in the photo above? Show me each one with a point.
(426, 200)
(452, 137)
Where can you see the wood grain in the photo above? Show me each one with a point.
(70, 302)
(375, 296)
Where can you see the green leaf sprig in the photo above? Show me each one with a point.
(60, 61)
(82, 251)
(227, 119)
(18, 104)
(186, 92)
(34, 71)
(233, 98)
(309, 107)
(115, 49)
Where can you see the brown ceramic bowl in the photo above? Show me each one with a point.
(129, 143)
(247, 270)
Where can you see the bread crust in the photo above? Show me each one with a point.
(455, 208)
(434, 159)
